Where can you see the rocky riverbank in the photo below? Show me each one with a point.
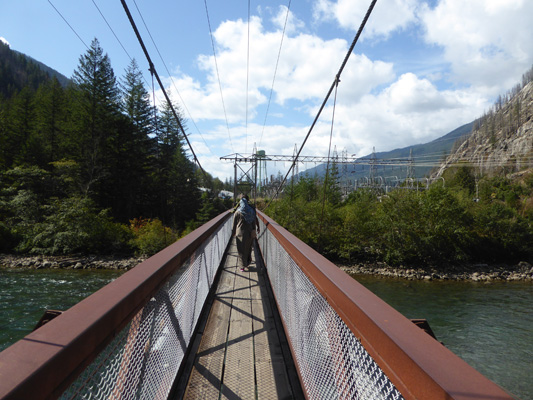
(69, 262)
(523, 271)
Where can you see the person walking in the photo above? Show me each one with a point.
(244, 224)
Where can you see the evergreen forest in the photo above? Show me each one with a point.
(92, 167)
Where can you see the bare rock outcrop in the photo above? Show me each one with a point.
(502, 140)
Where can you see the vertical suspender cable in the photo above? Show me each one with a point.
(275, 71)
(327, 167)
(247, 77)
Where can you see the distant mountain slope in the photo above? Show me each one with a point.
(502, 141)
(63, 80)
(426, 156)
(18, 70)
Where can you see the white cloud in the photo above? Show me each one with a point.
(410, 95)
(375, 107)
(387, 16)
(216, 167)
(488, 43)
(409, 111)
(307, 68)
(4, 40)
(293, 24)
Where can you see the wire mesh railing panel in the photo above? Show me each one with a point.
(142, 361)
(332, 362)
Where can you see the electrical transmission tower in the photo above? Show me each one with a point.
(250, 175)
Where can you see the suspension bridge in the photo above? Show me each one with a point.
(188, 324)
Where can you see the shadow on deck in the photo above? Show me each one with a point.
(240, 350)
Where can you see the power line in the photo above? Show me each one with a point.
(154, 71)
(64, 19)
(218, 74)
(114, 34)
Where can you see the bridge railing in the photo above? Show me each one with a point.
(127, 340)
(349, 344)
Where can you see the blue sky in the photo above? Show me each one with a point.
(419, 70)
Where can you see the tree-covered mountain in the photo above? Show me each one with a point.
(52, 73)
(18, 71)
(91, 167)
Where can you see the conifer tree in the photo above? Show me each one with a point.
(136, 148)
(136, 100)
(20, 126)
(178, 194)
(50, 115)
(95, 115)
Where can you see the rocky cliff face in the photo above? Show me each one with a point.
(501, 141)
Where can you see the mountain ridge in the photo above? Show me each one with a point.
(19, 70)
(433, 152)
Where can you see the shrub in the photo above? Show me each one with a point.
(74, 225)
(150, 236)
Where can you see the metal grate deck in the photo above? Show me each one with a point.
(240, 355)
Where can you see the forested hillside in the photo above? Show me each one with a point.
(18, 71)
(91, 167)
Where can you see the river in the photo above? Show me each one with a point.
(490, 326)
(25, 295)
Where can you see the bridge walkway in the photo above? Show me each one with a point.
(242, 351)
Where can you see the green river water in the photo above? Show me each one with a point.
(490, 326)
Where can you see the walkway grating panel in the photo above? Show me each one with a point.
(240, 355)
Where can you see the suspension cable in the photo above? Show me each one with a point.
(337, 78)
(170, 76)
(154, 71)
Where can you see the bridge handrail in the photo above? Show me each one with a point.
(44, 363)
(417, 365)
